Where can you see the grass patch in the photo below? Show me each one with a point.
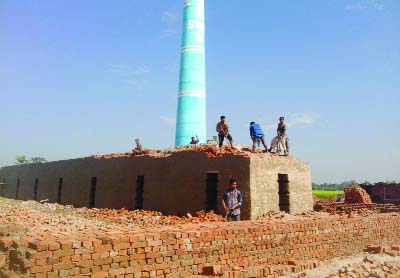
(326, 194)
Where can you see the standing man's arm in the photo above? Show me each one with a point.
(223, 202)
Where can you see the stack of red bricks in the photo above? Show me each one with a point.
(356, 195)
(264, 248)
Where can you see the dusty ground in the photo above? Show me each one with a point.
(362, 265)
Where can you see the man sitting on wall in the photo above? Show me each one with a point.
(139, 148)
(194, 141)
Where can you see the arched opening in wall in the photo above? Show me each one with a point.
(93, 184)
(59, 190)
(212, 191)
(17, 191)
(284, 194)
(35, 189)
(139, 192)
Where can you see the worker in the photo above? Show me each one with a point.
(257, 135)
(281, 141)
(139, 148)
(223, 131)
(195, 140)
(232, 201)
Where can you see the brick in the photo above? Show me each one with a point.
(63, 253)
(40, 269)
(38, 246)
(63, 266)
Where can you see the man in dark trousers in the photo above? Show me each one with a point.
(223, 131)
(281, 141)
(232, 201)
(257, 134)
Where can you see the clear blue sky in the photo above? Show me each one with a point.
(85, 77)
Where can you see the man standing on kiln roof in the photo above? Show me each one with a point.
(223, 131)
(257, 134)
(281, 141)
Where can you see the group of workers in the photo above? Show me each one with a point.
(232, 199)
(278, 144)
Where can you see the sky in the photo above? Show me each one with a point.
(85, 77)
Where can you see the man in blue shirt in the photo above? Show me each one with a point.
(257, 134)
(232, 201)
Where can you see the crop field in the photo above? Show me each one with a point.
(326, 194)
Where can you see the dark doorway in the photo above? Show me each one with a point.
(284, 194)
(35, 189)
(93, 184)
(212, 192)
(59, 190)
(17, 193)
(139, 192)
(3, 188)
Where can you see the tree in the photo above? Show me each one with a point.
(38, 160)
(21, 159)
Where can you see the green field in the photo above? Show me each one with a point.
(326, 194)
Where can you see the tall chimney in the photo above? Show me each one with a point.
(191, 114)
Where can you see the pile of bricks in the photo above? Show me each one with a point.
(144, 218)
(370, 267)
(260, 248)
(361, 209)
(356, 196)
(211, 151)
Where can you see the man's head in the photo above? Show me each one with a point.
(193, 138)
(137, 141)
(252, 123)
(222, 118)
(233, 183)
(281, 119)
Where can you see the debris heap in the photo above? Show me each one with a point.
(356, 196)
